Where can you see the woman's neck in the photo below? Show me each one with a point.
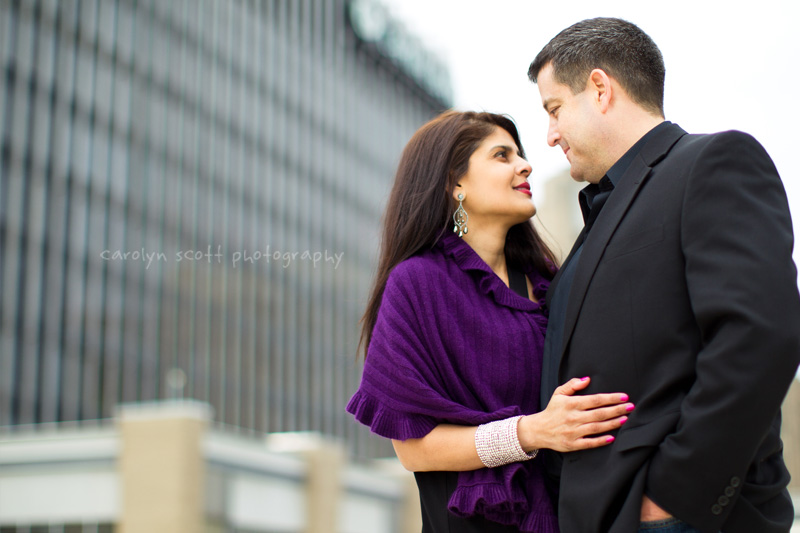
(490, 245)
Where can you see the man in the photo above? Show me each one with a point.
(680, 291)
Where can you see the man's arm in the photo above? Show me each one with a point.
(737, 241)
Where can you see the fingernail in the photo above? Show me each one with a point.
(587, 377)
(610, 439)
(623, 398)
(623, 420)
(629, 408)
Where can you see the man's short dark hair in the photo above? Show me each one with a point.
(616, 46)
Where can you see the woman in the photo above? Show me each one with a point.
(454, 332)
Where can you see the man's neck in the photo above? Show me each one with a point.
(630, 130)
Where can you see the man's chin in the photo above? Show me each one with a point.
(577, 176)
(582, 177)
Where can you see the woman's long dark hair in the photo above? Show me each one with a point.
(420, 205)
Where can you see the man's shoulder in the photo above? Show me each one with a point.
(703, 140)
(730, 145)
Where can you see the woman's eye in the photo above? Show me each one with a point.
(501, 153)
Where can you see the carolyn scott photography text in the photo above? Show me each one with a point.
(238, 258)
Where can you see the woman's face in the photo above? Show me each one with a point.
(495, 187)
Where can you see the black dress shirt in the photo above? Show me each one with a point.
(591, 199)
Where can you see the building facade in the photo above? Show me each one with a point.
(190, 196)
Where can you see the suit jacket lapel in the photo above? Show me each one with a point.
(614, 209)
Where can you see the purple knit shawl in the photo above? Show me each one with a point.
(453, 344)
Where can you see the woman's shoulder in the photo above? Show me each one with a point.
(421, 272)
(426, 262)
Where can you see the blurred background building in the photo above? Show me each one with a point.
(190, 195)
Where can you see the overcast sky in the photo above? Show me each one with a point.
(730, 65)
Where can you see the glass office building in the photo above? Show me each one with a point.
(190, 195)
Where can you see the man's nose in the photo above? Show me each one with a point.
(553, 136)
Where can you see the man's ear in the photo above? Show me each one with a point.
(599, 84)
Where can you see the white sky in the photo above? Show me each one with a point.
(731, 64)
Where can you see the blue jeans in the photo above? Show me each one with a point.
(668, 525)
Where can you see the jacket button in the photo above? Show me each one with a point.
(730, 492)
(735, 482)
(716, 509)
(723, 501)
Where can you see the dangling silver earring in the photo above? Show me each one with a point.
(460, 218)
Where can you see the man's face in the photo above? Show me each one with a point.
(573, 126)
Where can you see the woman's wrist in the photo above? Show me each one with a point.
(497, 443)
(527, 433)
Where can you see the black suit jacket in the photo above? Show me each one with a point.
(685, 297)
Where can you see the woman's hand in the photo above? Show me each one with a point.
(563, 426)
(568, 421)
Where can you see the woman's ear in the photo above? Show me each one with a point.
(458, 190)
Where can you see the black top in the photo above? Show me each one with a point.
(435, 489)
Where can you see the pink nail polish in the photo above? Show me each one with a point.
(629, 408)
(584, 379)
(623, 420)
(610, 439)
(623, 398)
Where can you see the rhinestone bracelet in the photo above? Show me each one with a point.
(497, 443)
